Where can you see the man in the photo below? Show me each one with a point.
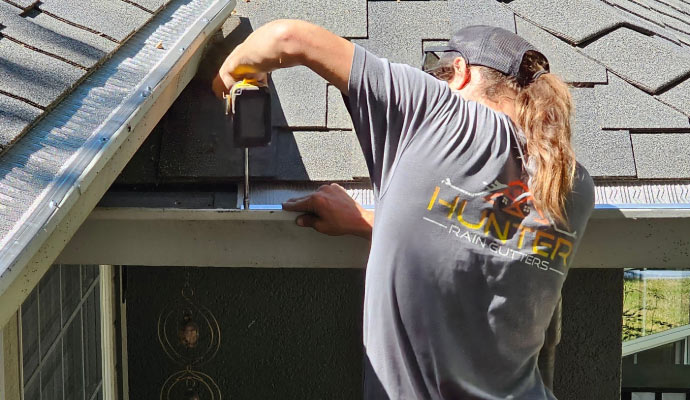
(466, 265)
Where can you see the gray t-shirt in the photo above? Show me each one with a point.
(464, 273)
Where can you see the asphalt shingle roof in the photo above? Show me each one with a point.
(23, 4)
(48, 47)
(623, 106)
(604, 152)
(575, 21)
(14, 116)
(662, 155)
(633, 55)
(116, 19)
(306, 104)
(464, 12)
(397, 29)
(34, 76)
(152, 6)
(670, 15)
(345, 18)
(630, 71)
(628, 62)
(54, 36)
(678, 96)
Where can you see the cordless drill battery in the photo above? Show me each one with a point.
(249, 102)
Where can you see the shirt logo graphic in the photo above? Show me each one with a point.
(494, 229)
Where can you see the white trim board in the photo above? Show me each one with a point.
(221, 238)
(270, 238)
(108, 336)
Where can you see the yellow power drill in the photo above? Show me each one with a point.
(249, 106)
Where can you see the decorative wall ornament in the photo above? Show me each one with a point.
(190, 385)
(190, 336)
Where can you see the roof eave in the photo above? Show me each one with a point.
(30, 250)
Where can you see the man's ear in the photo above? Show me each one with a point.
(462, 73)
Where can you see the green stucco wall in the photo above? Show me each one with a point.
(285, 333)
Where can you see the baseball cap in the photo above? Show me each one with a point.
(485, 45)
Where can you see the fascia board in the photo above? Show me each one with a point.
(270, 239)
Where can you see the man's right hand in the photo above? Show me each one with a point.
(229, 74)
(283, 44)
(332, 211)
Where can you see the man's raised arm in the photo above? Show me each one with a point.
(287, 43)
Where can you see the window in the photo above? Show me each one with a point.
(655, 301)
(656, 333)
(61, 334)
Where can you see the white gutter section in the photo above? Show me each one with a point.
(650, 211)
(29, 250)
(663, 202)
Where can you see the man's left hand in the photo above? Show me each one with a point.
(332, 211)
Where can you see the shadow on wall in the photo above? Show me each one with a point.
(193, 142)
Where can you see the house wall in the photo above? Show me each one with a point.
(296, 333)
(588, 358)
(284, 333)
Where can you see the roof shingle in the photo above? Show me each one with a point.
(116, 19)
(603, 153)
(300, 98)
(15, 116)
(34, 76)
(576, 21)
(678, 97)
(55, 37)
(632, 56)
(23, 4)
(344, 18)
(480, 12)
(662, 155)
(564, 60)
(623, 106)
(397, 29)
(337, 115)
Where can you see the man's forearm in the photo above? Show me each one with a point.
(270, 47)
(286, 43)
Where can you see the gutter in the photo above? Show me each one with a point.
(40, 235)
(269, 196)
(601, 211)
(640, 211)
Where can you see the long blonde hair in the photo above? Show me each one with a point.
(543, 108)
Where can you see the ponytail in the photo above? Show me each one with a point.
(543, 109)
